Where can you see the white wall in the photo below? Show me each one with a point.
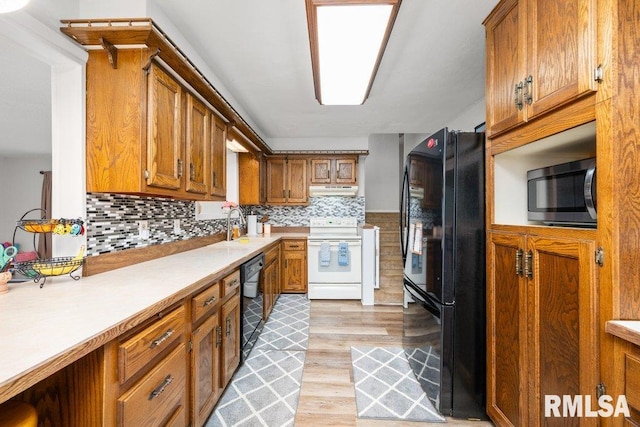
(382, 174)
(20, 192)
(345, 143)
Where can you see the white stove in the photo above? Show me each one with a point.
(334, 259)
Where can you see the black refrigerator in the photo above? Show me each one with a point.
(442, 233)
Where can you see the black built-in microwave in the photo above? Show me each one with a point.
(563, 194)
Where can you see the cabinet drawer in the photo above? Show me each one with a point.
(271, 254)
(205, 301)
(294, 245)
(140, 349)
(231, 282)
(159, 397)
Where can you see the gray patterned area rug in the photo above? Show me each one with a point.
(386, 387)
(266, 388)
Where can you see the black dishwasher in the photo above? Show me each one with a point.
(251, 302)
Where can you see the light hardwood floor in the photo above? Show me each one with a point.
(327, 396)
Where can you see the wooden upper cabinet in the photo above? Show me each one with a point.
(297, 181)
(164, 130)
(346, 172)
(416, 172)
(251, 169)
(218, 157)
(541, 54)
(146, 134)
(276, 180)
(197, 145)
(320, 171)
(333, 171)
(287, 181)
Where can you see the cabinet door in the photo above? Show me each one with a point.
(164, 130)
(276, 180)
(506, 331)
(205, 368)
(267, 289)
(294, 272)
(197, 145)
(230, 338)
(563, 317)
(297, 181)
(250, 169)
(218, 157)
(320, 171)
(505, 66)
(346, 171)
(562, 51)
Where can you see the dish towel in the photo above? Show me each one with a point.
(325, 254)
(343, 254)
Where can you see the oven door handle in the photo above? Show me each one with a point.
(333, 243)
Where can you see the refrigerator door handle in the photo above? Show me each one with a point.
(404, 215)
(424, 302)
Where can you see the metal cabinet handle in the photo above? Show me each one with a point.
(179, 168)
(528, 265)
(161, 339)
(528, 89)
(160, 389)
(218, 336)
(209, 301)
(233, 283)
(519, 255)
(192, 172)
(518, 95)
(215, 180)
(228, 326)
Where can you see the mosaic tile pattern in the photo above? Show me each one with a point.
(298, 216)
(112, 222)
(112, 219)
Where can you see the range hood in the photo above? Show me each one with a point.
(333, 190)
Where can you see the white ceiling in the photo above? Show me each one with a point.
(432, 71)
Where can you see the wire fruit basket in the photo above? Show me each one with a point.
(40, 269)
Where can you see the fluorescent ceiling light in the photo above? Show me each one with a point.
(347, 42)
(234, 145)
(12, 5)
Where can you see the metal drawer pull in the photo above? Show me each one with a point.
(160, 389)
(234, 282)
(228, 324)
(209, 301)
(294, 246)
(162, 339)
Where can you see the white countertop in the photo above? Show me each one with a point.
(67, 319)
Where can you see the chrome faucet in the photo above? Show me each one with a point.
(244, 221)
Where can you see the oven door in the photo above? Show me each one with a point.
(335, 268)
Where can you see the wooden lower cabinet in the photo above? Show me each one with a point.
(542, 325)
(205, 368)
(294, 266)
(230, 323)
(271, 284)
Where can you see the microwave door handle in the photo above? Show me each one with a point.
(589, 187)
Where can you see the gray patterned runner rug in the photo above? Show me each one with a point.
(386, 387)
(266, 388)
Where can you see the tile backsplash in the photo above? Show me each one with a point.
(112, 219)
